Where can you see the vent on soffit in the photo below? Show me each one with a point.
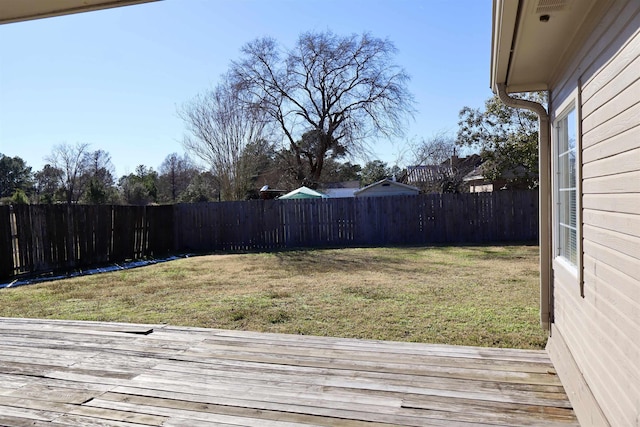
(546, 6)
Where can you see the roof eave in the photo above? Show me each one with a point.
(504, 21)
(533, 41)
(21, 10)
(395, 183)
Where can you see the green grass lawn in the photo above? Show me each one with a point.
(471, 295)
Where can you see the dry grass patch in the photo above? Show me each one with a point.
(485, 295)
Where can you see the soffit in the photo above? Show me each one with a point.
(23, 10)
(527, 48)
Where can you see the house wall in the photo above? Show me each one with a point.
(480, 188)
(595, 337)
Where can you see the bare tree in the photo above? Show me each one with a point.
(98, 178)
(201, 189)
(435, 150)
(326, 95)
(437, 165)
(99, 163)
(220, 128)
(175, 175)
(70, 160)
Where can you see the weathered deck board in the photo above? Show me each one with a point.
(55, 373)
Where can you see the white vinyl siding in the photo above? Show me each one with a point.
(600, 330)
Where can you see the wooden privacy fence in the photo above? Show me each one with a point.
(374, 221)
(41, 238)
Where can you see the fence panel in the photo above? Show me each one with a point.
(123, 236)
(40, 244)
(84, 223)
(6, 243)
(161, 235)
(57, 219)
(423, 219)
(23, 238)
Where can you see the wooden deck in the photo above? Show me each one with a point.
(63, 373)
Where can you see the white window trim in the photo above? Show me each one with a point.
(572, 102)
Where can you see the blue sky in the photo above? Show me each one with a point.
(115, 78)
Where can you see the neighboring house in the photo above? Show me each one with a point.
(477, 182)
(268, 193)
(586, 53)
(340, 190)
(303, 193)
(387, 187)
(436, 178)
(428, 174)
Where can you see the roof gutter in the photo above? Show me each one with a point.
(544, 159)
(504, 21)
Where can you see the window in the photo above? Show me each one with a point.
(566, 194)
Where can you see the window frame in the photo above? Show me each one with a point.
(564, 112)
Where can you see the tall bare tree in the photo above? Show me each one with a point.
(435, 150)
(98, 178)
(220, 128)
(70, 160)
(326, 95)
(175, 175)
